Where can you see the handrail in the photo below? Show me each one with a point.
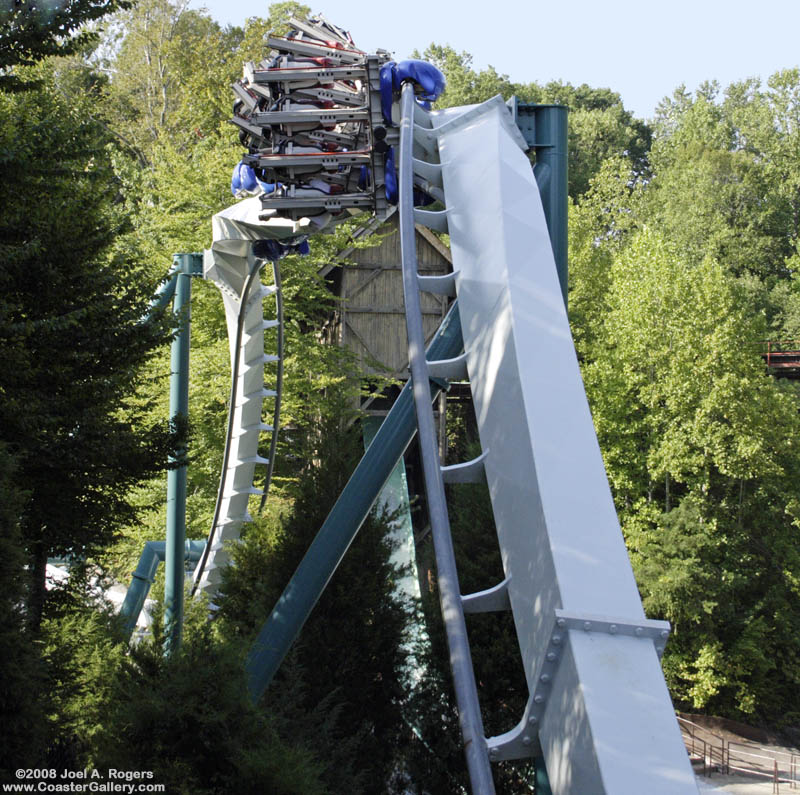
(772, 754)
(731, 752)
(687, 722)
(770, 343)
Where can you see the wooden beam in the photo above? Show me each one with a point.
(361, 285)
(363, 343)
(440, 247)
(367, 229)
(387, 310)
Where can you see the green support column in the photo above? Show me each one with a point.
(544, 127)
(185, 266)
(542, 782)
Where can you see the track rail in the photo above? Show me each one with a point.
(246, 325)
(449, 593)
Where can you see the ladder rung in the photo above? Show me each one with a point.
(256, 395)
(432, 172)
(491, 600)
(229, 520)
(245, 490)
(467, 472)
(263, 291)
(263, 358)
(262, 325)
(427, 139)
(253, 459)
(433, 219)
(259, 426)
(441, 285)
(450, 369)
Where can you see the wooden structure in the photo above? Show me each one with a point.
(783, 358)
(371, 319)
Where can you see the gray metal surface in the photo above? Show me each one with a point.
(318, 75)
(332, 116)
(598, 702)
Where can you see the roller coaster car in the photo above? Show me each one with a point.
(305, 114)
(318, 119)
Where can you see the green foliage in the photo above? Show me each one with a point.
(71, 331)
(726, 183)
(684, 248)
(599, 126)
(681, 280)
(699, 446)
(349, 665)
(23, 727)
(31, 30)
(81, 651)
(188, 719)
(600, 129)
(464, 85)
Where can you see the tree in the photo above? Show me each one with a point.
(187, 718)
(31, 30)
(599, 126)
(72, 334)
(347, 671)
(167, 75)
(22, 729)
(464, 86)
(171, 69)
(699, 445)
(725, 183)
(600, 226)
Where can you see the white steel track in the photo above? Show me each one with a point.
(232, 267)
(599, 708)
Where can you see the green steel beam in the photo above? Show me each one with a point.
(165, 292)
(152, 554)
(185, 266)
(343, 522)
(544, 128)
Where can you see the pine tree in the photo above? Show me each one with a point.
(344, 681)
(72, 335)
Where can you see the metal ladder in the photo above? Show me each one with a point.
(435, 475)
(243, 298)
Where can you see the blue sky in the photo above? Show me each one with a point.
(643, 50)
